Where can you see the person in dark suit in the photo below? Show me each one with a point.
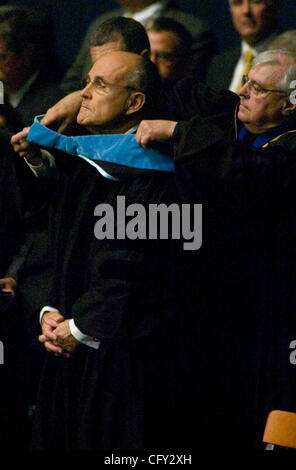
(24, 263)
(29, 83)
(256, 22)
(29, 90)
(143, 11)
(171, 50)
(14, 420)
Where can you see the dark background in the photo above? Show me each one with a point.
(72, 17)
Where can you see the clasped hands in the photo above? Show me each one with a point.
(56, 335)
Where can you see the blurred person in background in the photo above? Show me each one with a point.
(26, 49)
(171, 49)
(285, 41)
(143, 11)
(256, 22)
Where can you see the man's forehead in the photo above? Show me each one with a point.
(165, 39)
(114, 65)
(233, 3)
(267, 72)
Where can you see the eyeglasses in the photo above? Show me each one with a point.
(101, 86)
(258, 89)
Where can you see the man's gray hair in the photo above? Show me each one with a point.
(273, 58)
(145, 78)
(285, 41)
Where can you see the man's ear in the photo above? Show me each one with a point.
(288, 108)
(135, 102)
(146, 53)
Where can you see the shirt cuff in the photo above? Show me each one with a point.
(81, 337)
(46, 309)
(48, 161)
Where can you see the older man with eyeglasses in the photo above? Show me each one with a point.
(265, 101)
(264, 98)
(243, 171)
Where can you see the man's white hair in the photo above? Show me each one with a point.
(285, 41)
(285, 59)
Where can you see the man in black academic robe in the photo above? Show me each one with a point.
(243, 172)
(120, 388)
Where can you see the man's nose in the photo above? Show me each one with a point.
(244, 90)
(246, 7)
(154, 57)
(86, 92)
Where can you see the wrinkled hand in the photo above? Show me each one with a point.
(26, 149)
(64, 112)
(50, 321)
(64, 337)
(155, 131)
(8, 284)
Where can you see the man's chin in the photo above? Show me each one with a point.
(250, 36)
(82, 115)
(242, 110)
(240, 115)
(80, 119)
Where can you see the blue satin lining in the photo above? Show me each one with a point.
(122, 149)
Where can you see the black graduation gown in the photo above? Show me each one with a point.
(245, 273)
(189, 97)
(126, 293)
